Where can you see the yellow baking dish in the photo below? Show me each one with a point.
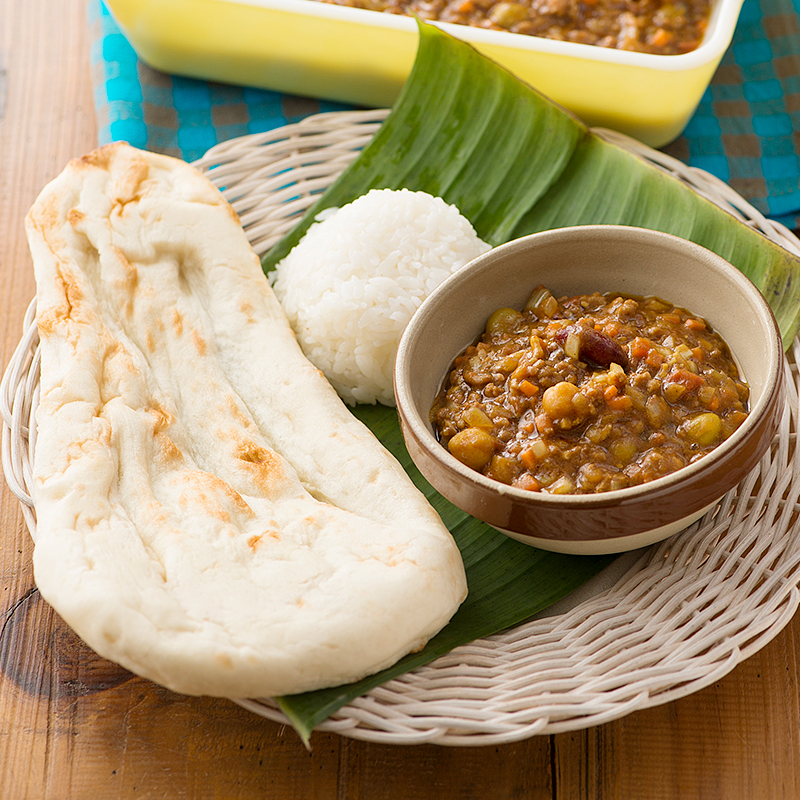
(363, 57)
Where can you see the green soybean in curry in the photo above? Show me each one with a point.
(589, 394)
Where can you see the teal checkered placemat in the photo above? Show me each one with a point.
(171, 114)
(745, 131)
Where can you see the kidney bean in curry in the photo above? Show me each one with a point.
(589, 394)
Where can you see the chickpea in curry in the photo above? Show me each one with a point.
(589, 394)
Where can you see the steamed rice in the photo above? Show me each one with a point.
(353, 282)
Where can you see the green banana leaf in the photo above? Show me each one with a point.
(514, 163)
(508, 582)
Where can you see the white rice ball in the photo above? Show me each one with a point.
(351, 284)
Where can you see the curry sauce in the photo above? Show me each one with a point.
(589, 394)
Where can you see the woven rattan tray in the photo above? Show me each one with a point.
(660, 624)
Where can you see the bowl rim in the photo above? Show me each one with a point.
(724, 15)
(423, 434)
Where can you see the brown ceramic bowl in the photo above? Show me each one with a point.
(581, 260)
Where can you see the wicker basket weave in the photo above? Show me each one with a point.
(659, 624)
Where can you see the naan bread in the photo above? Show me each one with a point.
(209, 513)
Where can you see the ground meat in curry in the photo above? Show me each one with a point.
(663, 27)
(589, 394)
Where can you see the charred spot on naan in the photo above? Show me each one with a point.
(127, 277)
(258, 465)
(177, 321)
(265, 461)
(233, 409)
(101, 157)
(209, 493)
(257, 539)
(97, 442)
(126, 167)
(52, 318)
(76, 218)
(120, 374)
(253, 454)
(165, 449)
(161, 417)
(246, 307)
(128, 186)
(46, 216)
(199, 342)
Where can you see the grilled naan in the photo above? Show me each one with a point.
(209, 513)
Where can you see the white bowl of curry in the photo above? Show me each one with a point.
(591, 389)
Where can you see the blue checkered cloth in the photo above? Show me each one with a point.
(171, 114)
(746, 129)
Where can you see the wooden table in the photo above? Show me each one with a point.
(75, 726)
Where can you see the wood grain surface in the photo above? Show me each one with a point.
(75, 727)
